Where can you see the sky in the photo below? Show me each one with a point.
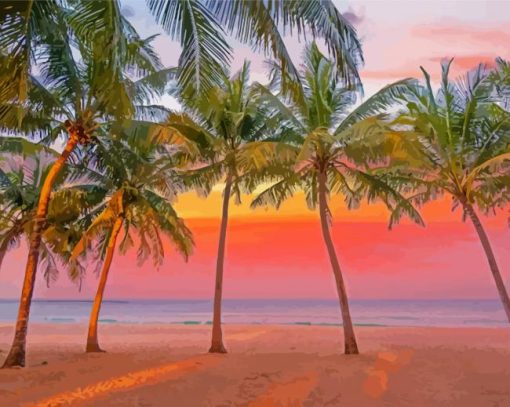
(280, 254)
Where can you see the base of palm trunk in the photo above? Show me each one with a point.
(14, 359)
(351, 349)
(93, 348)
(217, 348)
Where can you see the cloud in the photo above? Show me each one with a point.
(353, 17)
(391, 73)
(468, 62)
(493, 37)
(461, 64)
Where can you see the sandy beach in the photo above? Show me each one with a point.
(161, 365)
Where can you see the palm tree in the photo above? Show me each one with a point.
(200, 27)
(458, 143)
(78, 92)
(141, 185)
(230, 130)
(335, 152)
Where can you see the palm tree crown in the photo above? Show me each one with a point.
(347, 147)
(460, 140)
(141, 185)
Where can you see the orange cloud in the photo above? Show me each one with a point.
(392, 74)
(494, 37)
(468, 62)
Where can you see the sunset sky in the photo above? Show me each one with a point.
(280, 254)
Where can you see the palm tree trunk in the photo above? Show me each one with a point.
(351, 347)
(16, 356)
(92, 342)
(217, 335)
(503, 294)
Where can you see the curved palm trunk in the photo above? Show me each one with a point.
(92, 342)
(16, 356)
(351, 347)
(503, 294)
(217, 335)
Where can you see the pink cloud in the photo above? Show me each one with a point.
(493, 37)
(391, 74)
(393, 53)
(467, 62)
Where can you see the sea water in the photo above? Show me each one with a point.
(454, 313)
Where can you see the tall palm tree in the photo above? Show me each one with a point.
(334, 152)
(200, 27)
(458, 144)
(77, 93)
(141, 185)
(230, 130)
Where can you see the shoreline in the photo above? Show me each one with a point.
(107, 322)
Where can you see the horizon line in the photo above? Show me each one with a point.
(255, 299)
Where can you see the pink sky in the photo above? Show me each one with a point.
(283, 256)
(286, 259)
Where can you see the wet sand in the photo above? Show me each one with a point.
(163, 365)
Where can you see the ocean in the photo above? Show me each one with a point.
(446, 313)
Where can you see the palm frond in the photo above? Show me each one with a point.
(376, 187)
(204, 49)
(278, 192)
(326, 22)
(255, 23)
(378, 103)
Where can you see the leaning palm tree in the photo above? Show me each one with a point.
(334, 152)
(230, 130)
(200, 27)
(141, 185)
(84, 82)
(458, 144)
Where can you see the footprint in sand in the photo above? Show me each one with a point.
(376, 383)
(244, 336)
(290, 393)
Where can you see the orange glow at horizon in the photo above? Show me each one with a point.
(192, 207)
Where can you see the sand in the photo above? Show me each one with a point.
(167, 365)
